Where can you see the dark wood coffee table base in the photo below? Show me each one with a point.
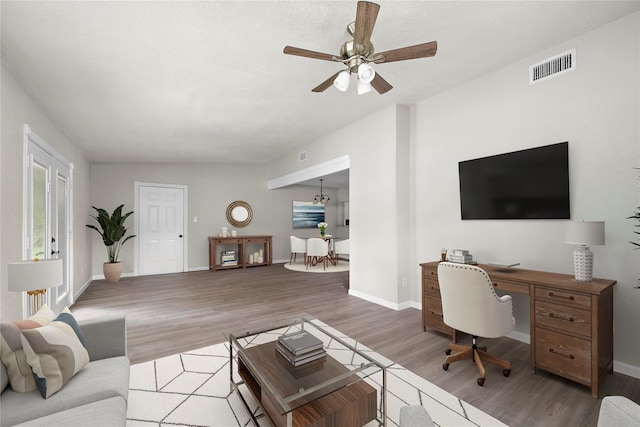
(353, 405)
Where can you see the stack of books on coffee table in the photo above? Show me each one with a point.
(301, 348)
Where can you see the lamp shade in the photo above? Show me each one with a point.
(366, 73)
(33, 275)
(587, 233)
(342, 81)
(363, 87)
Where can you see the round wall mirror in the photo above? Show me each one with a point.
(239, 213)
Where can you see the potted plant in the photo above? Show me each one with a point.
(112, 231)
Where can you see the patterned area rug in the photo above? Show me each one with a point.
(299, 266)
(193, 389)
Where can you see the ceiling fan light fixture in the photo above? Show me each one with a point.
(364, 87)
(366, 73)
(342, 81)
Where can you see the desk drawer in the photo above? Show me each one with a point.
(564, 297)
(564, 355)
(431, 288)
(429, 274)
(433, 315)
(510, 287)
(567, 318)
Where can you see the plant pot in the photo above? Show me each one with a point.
(112, 271)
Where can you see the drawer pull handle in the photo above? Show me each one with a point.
(434, 288)
(570, 297)
(436, 314)
(568, 356)
(570, 319)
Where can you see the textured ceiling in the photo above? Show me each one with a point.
(206, 81)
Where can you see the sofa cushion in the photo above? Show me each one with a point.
(12, 353)
(99, 380)
(4, 377)
(103, 413)
(55, 352)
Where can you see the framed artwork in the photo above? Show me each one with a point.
(307, 214)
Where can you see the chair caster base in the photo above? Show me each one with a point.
(447, 351)
(506, 372)
(445, 366)
(481, 381)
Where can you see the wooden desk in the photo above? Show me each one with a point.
(240, 243)
(571, 323)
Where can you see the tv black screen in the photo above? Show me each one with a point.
(526, 184)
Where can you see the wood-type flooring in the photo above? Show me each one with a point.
(168, 314)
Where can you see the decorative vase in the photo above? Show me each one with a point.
(112, 271)
(322, 231)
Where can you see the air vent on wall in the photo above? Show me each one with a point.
(553, 66)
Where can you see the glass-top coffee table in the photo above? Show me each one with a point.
(339, 389)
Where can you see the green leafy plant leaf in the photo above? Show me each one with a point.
(112, 230)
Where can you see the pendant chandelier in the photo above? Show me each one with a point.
(323, 199)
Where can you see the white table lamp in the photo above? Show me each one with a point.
(584, 234)
(34, 277)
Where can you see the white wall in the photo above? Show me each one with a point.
(372, 146)
(596, 109)
(19, 108)
(211, 188)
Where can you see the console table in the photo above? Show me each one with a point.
(571, 323)
(241, 243)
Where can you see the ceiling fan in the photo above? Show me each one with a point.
(357, 53)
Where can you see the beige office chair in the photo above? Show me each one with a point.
(317, 251)
(298, 246)
(341, 247)
(470, 305)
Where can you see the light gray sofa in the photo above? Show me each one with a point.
(95, 396)
(618, 411)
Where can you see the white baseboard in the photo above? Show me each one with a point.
(83, 288)
(626, 369)
(375, 300)
(519, 336)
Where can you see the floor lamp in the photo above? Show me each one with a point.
(584, 233)
(34, 278)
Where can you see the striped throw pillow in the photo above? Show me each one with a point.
(55, 352)
(12, 353)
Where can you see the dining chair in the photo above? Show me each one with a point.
(317, 251)
(340, 247)
(470, 305)
(298, 246)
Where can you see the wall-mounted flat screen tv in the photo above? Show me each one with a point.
(526, 184)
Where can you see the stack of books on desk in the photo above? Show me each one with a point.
(461, 256)
(300, 348)
(228, 258)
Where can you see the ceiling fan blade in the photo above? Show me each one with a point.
(325, 84)
(290, 50)
(366, 16)
(380, 84)
(410, 52)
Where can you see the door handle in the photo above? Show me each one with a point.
(180, 236)
(55, 252)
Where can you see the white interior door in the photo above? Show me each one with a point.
(160, 232)
(48, 182)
